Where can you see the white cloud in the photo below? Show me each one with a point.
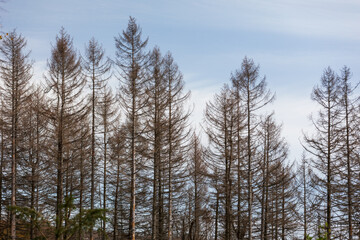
(293, 112)
(318, 18)
(39, 69)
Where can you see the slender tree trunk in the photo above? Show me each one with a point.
(105, 169)
(1, 164)
(196, 200)
(170, 220)
(238, 112)
(160, 206)
(116, 200)
(348, 164)
(159, 168)
(14, 119)
(217, 214)
(328, 202)
(155, 200)
(250, 199)
(32, 202)
(305, 203)
(133, 169)
(239, 193)
(262, 232)
(81, 184)
(67, 194)
(267, 169)
(60, 195)
(283, 207)
(60, 191)
(273, 226)
(276, 214)
(266, 220)
(183, 229)
(92, 148)
(239, 201)
(157, 172)
(35, 187)
(170, 217)
(227, 179)
(318, 227)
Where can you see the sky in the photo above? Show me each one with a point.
(293, 41)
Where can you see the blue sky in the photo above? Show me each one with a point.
(292, 40)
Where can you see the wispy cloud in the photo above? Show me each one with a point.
(318, 18)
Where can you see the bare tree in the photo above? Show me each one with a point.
(221, 119)
(349, 145)
(117, 147)
(84, 154)
(305, 196)
(65, 80)
(32, 161)
(177, 135)
(275, 151)
(132, 61)
(96, 69)
(324, 145)
(155, 135)
(108, 114)
(15, 70)
(254, 94)
(200, 227)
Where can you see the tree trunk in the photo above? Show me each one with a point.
(92, 148)
(133, 170)
(250, 199)
(217, 214)
(60, 192)
(105, 169)
(14, 122)
(348, 163)
(2, 149)
(81, 185)
(328, 182)
(305, 201)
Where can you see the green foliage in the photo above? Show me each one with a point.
(30, 217)
(323, 234)
(84, 220)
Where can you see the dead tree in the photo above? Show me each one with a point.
(253, 92)
(15, 70)
(221, 118)
(65, 81)
(132, 61)
(349, 144)
(96, 69)
(108, 112)
(177, 134)
(324, 144)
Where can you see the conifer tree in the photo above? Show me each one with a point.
(15, 71)
(324, 144)
(96, 69)
(221, 119)
(108, 113)
(177, 135)
(253, 92)
(65, 81)
(132, 60)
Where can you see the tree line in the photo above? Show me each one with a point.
(82, 161)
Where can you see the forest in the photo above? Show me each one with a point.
(80, 159)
